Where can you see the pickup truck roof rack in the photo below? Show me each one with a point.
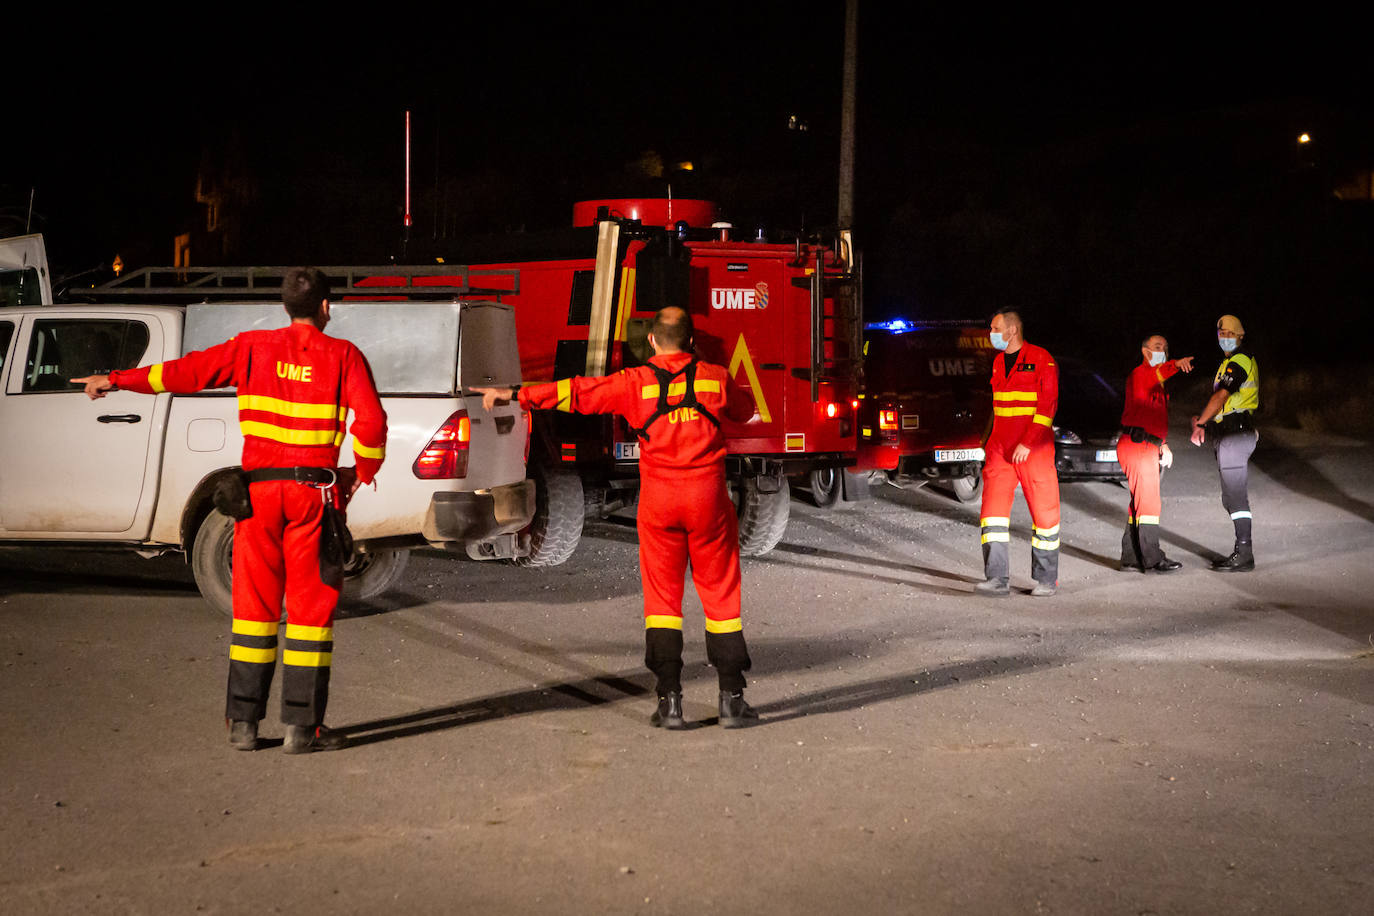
(384, 281)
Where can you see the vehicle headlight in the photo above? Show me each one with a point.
(1066, 436)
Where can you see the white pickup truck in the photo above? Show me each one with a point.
(137, 471)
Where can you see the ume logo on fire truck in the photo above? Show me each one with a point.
(756, 298)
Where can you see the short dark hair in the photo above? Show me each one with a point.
(1145, 341)
(303, 291)
(1009, 313)
(673, 329)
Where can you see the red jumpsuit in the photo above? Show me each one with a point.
(685, 512)
(295, 388)
(1024, 401)
(1144, 425)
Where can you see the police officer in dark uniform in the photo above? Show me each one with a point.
(1228, 422)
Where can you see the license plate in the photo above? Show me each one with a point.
(958, 454)
(1106, 454)
(627, 451)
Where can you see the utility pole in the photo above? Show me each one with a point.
(851, 60)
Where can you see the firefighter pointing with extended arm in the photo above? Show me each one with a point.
(1020, 449)
(676, 405)
(295, 388)
(1142, 451)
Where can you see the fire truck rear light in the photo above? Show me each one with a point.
(831, 410)
(854, 404)
(887, 419)
(446, 455)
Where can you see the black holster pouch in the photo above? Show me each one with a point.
(231, 496)
(336, 545)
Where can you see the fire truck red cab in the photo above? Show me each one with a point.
(784, 317)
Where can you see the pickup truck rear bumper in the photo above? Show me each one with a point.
(455, 520)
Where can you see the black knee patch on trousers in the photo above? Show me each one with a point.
(728, 654)
(304, 694)
(663, 656)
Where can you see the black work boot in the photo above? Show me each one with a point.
(734, 712)
(243, 735)
(1242, 559)
(669, 712)
(994, 587)
(303, 739)
(1166, 565)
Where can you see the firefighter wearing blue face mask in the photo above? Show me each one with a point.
(1228, 423)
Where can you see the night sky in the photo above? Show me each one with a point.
(1106, 175)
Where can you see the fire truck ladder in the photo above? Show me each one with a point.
(197, 284)
(837, 356)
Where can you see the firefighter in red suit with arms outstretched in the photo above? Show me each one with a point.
(1142, 451)
(676, 404)
(296, 386)
(1020, 449)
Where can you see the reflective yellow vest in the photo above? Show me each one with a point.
(1246, 397)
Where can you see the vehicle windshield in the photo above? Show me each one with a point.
(927, 358)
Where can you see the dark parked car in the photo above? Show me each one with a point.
(1087, 424)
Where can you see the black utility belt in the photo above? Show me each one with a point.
(1137, 435)
(324, 477)
(1240, 422)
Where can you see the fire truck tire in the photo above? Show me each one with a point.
(826, 487)
(762, 515)
(368, 575)
(559, 510)
(968, 489)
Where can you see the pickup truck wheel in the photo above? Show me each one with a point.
(968, 489)
(559, 510)
(371, 573)
(212, 561)
(762, 514)
(826, 487)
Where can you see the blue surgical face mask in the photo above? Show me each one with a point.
(998, 341)
(1157, 357)
(1228, 344)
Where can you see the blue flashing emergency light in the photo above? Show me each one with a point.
(896, 325)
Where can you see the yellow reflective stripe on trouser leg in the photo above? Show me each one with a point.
(308, 647)
(662, 622)
(255, 656)
(314, 634)
(995, 530)
(733, 625)
(1045, 538)
(255, 627)
(1147, 520)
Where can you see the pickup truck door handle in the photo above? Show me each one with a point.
(119, 418)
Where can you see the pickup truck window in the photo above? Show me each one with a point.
(6, 334)
(65, 348)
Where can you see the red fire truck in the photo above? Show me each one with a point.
(784, 316)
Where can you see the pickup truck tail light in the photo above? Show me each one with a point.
(446, 456)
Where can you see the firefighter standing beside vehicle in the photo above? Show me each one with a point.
(296, 386)
(1142, 451)
(1228, 422)
(676, 404)
(1020, 449)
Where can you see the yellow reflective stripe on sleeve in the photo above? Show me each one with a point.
(363, 451)
(288, 436)
(1045, 545)
(305, 659)
(255, 656)
(649, 392)
(1148, 520)
(315, 634)
(706, 384)
(256, 627)
(662, 622)
(1043, 420)
(995, 520)
(733, 625)
(1013, 411)
(294, 409)
(1045, 532)
(155, 379)
(1014, 395)
(997, 537)
(564, 395)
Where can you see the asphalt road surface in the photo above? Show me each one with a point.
(1191, 743)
